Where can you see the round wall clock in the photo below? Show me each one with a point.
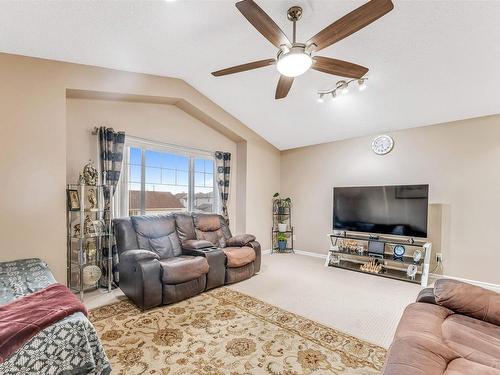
(399, 251)
(91, 274)
(382, 144)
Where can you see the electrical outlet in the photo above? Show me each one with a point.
(439, 257)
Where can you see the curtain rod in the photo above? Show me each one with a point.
(95, 131)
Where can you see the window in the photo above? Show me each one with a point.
(159, 178)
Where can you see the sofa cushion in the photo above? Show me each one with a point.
(433, 340)
(157, 233)
(240, 240)
(183, 268)
(212, 228)
(473, 339)
(468, 300)
(185, 226)
(239, 256)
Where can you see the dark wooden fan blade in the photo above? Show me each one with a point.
(338, 67)
(350, 23)
(243, 67)
(262, 22)
(284, 85)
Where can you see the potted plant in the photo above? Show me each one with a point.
(282, 227)
(282, 241)
(281, 204)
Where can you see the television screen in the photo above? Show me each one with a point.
(396, 210)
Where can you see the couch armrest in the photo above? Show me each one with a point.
(467, 299)
(140, 277)
(427, 296)
(197, 245)
(240, 240)
(256, 247)
(137, 255)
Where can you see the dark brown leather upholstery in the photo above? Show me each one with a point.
(177, 270)
(454, 334)
(167, 258)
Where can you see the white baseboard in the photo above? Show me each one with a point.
(482, 284)
(432, 276)
(311, 254)
(300, 252)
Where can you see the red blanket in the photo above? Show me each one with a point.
(23, 318)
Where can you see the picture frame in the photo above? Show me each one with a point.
(73, 200)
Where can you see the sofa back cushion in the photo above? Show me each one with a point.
(212, 228)
(126, 238)
(157, 233)
(185, 226)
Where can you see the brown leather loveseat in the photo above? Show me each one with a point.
(170, 257)
(452, 329)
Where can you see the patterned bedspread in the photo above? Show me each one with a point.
(67, 347)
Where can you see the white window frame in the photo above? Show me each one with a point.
(144, 144)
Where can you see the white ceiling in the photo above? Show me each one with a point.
(430, 61)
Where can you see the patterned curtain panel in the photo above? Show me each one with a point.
(111, 145)
(223, 164)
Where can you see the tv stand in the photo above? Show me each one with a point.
(350, 251)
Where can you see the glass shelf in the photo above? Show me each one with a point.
(89, 236)
(386, 256)
(390, 241)
(390, 273)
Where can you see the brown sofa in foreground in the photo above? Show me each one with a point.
(452, 329)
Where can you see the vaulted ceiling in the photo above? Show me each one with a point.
(430, 61)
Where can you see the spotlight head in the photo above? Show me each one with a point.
(321, 98)
(362, 84)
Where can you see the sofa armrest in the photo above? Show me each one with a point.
(467, 299)
(137, 255)
(240, 240)
(140, 277)
(197, 245)
(427, 296)
(256, 247)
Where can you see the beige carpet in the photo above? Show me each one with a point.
(362, 305)
(226, 332)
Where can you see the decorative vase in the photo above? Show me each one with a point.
(282, 227)
(282, 245)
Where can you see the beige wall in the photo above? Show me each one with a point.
(162, 123)
(34, 151)
(459, 161)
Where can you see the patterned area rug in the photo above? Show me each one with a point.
(226, 332)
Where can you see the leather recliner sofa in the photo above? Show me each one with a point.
(170, 257)
(452, 329)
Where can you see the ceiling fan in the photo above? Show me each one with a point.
(295, 58)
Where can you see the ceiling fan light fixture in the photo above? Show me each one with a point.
(362, 84)
(294, 63)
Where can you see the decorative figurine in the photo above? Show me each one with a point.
(92, 199)
(90, 174)
(372, 266)
(88, 227)
(76, 230)
(412, 271)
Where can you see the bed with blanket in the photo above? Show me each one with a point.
(69, 346)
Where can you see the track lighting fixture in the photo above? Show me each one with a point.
(342, 88)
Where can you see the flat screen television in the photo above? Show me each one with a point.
(395, 210)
